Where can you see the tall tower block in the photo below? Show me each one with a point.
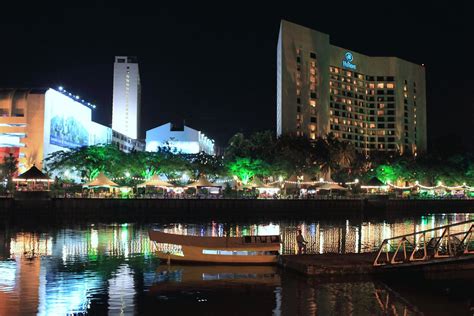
(126, 97)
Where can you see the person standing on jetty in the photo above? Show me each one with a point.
(301, 243)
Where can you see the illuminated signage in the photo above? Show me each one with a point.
(347, 62)
(68, 121)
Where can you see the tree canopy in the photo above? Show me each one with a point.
(264, 156)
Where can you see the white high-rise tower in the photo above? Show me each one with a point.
(126, 97)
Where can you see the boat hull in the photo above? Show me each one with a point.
(196, 255)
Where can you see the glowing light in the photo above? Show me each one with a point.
(77, 97)
(94, 238)
(321, 179)
(60, 88)
(127, 174)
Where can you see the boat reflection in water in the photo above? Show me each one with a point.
(171, 278)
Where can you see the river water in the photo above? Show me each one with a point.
(109, 268)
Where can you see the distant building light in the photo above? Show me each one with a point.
(77, 97)
(60, 88)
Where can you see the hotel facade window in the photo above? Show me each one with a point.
(351, 95)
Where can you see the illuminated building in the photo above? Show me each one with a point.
(37, 122)
(126, 97)
(376, 103)
(179, 138)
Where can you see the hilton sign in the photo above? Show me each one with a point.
(347, 62)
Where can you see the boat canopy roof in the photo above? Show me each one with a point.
(245, 242)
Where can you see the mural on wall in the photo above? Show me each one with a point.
(67, 131)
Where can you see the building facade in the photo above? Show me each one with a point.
(126, 97)
(376, 103)
(180, 138)
(37, 122)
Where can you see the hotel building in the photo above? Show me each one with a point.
(126, 97)
(376, 103)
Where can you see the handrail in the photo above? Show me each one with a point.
(454, 248)
(430, 230)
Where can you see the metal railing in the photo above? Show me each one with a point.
(450, 241)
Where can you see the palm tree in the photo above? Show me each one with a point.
(345, 154)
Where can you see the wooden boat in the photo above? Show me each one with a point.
(232, 250)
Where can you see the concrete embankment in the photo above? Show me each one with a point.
(155, 209)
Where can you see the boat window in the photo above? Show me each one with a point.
(275, 238)
(236, 253)
(172, 249)
(221, 276)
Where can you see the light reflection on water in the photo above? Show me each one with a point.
(110, 268)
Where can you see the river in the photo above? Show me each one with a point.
(109, 268)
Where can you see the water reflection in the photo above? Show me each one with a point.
(323, 236)
(110, 268)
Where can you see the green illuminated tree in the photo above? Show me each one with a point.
(88, 161)
(246, 168)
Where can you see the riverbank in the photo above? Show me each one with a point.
(153, 209)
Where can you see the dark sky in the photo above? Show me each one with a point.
(214, 65)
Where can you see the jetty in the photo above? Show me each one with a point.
(438, 250)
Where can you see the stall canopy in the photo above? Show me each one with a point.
(202, 183)
(156, 182)
(34, 175)
(34, 179)
(101, 181)
(331, 187)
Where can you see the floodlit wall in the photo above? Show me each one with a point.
(186, 141)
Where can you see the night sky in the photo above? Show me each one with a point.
(215, 65)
